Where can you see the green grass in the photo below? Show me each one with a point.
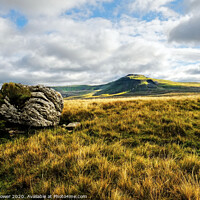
(130, 148)
(137, 77)
(172, 83)
(165, 82)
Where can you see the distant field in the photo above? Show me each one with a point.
(126, 148)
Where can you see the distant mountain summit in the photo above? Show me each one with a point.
(129, 85)
(135, 75)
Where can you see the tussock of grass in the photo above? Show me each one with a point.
(16, 93)
(139, 148)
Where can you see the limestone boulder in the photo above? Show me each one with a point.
(42, 109)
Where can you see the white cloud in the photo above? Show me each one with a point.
(186, 54)
(188, 73)
(148, 5)
(143, 7)
(8, 37)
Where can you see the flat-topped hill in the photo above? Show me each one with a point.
(129, 85)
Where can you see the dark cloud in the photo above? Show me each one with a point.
(187, 31)
(191, 5)
(188, 28)
(44, 7)
(193, 71)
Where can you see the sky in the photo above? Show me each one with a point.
(69, 42)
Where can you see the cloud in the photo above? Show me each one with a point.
(186, 55)
(147, 5)
(188, 28)
(101, 47)
(45, 7)
(56, 49)
(187, 31)
(8, 37)
(194, 71)
(40, 55)
(144, 7)
(100, 52)
(188, 73)
(191, 5)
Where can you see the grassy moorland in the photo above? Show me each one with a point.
(130, 148)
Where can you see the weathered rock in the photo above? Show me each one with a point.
(42, 109)
(73, 125)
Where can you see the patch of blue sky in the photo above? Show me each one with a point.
(106, 10)
(71, 12)
(115, 9)
(109, 10)
(153, 15)
(185, 46)
(177, 6)
(17, 18)
(185, 63)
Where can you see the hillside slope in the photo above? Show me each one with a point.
(130, 85)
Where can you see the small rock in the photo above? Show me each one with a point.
(73, 125)
(11, 132)
(64, 125)
(14, 132)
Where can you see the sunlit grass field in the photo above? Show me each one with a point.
(126, 148)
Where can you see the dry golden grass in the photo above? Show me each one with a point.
(126, 148)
